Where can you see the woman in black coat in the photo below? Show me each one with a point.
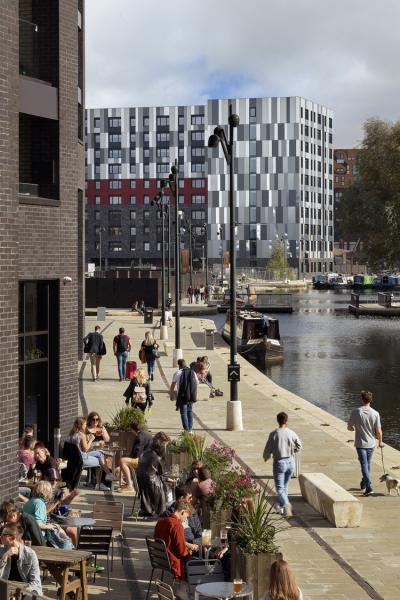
(153, 500)
(136, 399)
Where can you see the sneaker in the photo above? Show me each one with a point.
(362, 485)
(111, 477)
(102, 487)
(287, 511)
(279, 509)
(125, 488)
(368, 492)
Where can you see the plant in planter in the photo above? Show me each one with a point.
(218, 459)
(120, 426)
(255, 546)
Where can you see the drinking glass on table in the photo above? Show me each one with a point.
(223, 537)
(237, 585)
(175, 471)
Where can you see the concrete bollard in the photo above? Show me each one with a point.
(163, 332)
(234, 418)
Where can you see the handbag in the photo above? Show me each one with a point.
(142, 355)
(103, 350)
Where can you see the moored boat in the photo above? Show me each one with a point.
(257, 335)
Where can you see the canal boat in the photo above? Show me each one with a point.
(320, 282)
(341, 283)
(257, 336)
(271, 302)
(364, 281)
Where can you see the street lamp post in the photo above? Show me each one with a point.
(234, 406)
(159, 201)
(220, 232)
(205, 229)
(101, 229)
(169, 253)
(173, 184)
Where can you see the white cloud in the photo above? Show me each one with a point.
(343, 54)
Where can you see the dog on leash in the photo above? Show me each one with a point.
(391, 483)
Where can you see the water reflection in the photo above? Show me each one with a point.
(330, 356)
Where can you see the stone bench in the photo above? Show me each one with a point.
(330, 500)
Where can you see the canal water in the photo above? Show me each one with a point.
(330, 356)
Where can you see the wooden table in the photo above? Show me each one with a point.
(60, 562)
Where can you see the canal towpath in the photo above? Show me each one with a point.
(336, 563)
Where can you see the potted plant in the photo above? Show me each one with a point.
(120, 426)
(184, 449)
(254, 546)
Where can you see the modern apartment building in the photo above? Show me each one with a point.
(42, 219)
(283, 179)
(345, 168)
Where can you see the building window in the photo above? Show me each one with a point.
(181, 199)
(181, 121)
(115, 200)
(146, 199)
(162, 152)
(114, 246)
(146, 246)
(146, 183)
(115, 185)
(162, 168)
(198, 183)
(146, 121)
(181, 183)
(198, 199)
(132, 153)
(198, 215)
(97, 138)
(97, 153)
(146, 230)
(162, 121)
(96, 122)
(114, 122)
(115, 231)
(133, 199)
(97, 185)
(146, 214)
(133, 215)
(132, 168)
(114, 169)
(198, 120)
(198, 151)
(181, 136)
(97, 215)
(197, 167)
(133, 231)
(132, 138)
(197, 136)
(132, 121)
(253, 182)
(97, 200)
(114, 138)
(114, 153)
(146, 152)
(97, 169)
(133, 184)
(146, 138)
(162, 137)
(133, 246)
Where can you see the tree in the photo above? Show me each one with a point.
(370, 209)
(278, 261)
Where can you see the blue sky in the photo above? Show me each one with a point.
(343, 54)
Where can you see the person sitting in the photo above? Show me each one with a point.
(46, 464)
(36, 506)
(149, 477)
(91, 458)
(282, 583)
(141, 308)
(27, 432)
(192, 526)
(142, 443)
(25, 454)
(95, 426)
(193, 476)
(203, 488)
(17, 561)
(10, 514)
(142, 397)
(170, 530)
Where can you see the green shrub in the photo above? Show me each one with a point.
(124, 417)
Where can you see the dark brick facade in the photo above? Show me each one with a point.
(39, 241)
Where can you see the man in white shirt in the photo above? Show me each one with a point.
(366, 422)
(174, 387)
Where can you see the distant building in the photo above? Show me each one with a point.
(345, 169)
(284, 181)
(41, 225)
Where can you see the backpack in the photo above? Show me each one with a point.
(139, 395)
(122, 343)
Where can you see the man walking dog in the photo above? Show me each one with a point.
(366, 422)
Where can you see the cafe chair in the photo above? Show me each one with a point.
(96, 540)
(73, 471)
(159, 559)
(136, 499)
(203, 571)
(164, 591)
(111, 514)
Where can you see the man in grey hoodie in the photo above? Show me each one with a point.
(17, 561)
(282, 443)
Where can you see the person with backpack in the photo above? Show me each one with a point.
(186, 396)
(149, 350)
(138, 391)
(94, 346)
(121, 348)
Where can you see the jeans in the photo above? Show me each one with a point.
(187, 416)
(122, 357)
(93, 458)
(283, 470)
(365, 456)
(150, 366)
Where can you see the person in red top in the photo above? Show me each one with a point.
(170, 530)
(121, 347)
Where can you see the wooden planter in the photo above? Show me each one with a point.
(124, 439)
(254, 569)
(183, 459)
(216, 520)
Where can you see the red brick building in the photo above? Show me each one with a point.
(41, 220)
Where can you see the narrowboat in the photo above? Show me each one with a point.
(257, 336)
(364, 281)
(320, 282)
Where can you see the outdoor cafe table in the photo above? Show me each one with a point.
(60, 563)
(222, 590)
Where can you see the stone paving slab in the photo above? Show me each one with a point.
(336, 563)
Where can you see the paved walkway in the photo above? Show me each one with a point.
(329, 563)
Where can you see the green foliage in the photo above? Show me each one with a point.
(256, 530)
(192, 444)
(218, 458)
(231, 490)
(369, 211)
(278, 262)
(124, 417)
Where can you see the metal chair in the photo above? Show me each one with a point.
(96, 540)
(112, 514)
(164, 591)
(203, 571)
(159, 559)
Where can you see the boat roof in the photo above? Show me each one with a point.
(253, 315)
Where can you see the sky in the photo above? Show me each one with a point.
(343, 54)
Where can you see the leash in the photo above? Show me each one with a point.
(383, 464)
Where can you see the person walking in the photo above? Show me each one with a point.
(202, 293)
(190, 294)
(186, 396)
(366, 423)
(96, 348)
(150, 348)
(281, 444)
(121, 348)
